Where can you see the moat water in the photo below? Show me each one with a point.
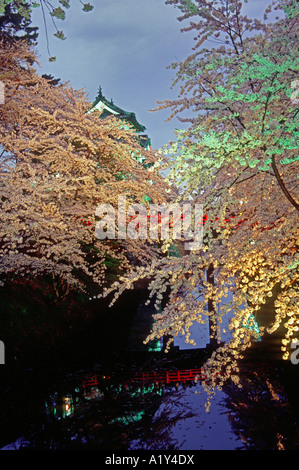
(88, 401)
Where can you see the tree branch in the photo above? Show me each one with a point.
(282, 185)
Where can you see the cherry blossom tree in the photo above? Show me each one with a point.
(59, 161)
(239, 158)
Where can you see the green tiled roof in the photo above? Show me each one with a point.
(109, 108)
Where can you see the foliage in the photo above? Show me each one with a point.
(15, 25)
(238, 157)
(22, 9)
(58, 163)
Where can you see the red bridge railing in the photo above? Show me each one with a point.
(167, 376)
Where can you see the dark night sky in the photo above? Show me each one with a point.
(124, 46)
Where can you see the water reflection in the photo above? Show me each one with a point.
(158, 410)
(170, 416)
(60, 406)
(104, 415)
(96, 411)
(260, 412)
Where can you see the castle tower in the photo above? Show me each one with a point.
(108, 108)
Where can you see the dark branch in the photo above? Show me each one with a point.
(282, 185)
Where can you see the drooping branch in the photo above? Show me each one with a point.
(282, 185)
